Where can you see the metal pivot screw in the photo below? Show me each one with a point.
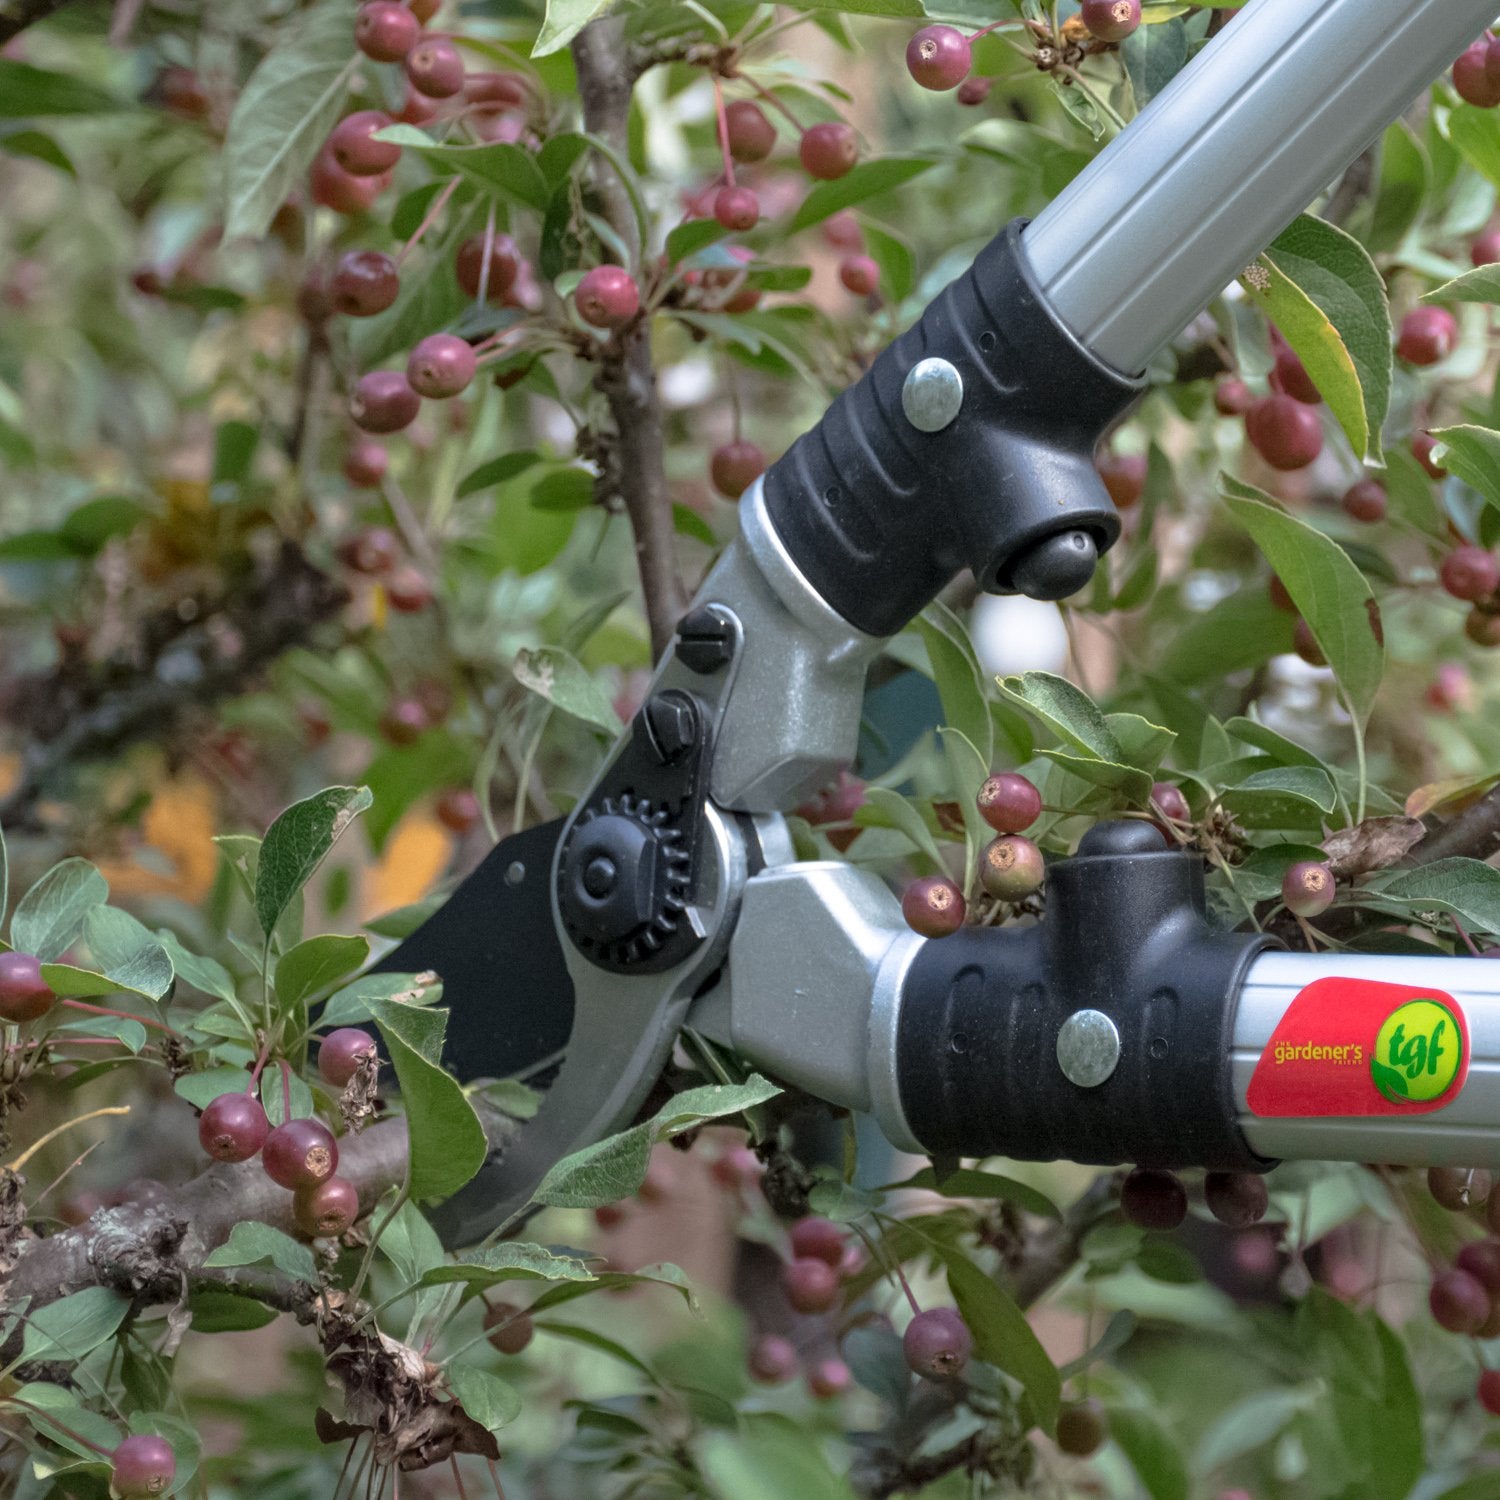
(705, 640)
(932, 394)
(1088, 1048)
(671, 726)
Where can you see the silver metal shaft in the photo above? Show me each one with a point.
(1462, 1133)
(1265, 117)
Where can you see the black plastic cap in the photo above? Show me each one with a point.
(1057, 568)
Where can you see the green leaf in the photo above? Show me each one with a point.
(1067, 711)
(1468, 888)
(1153, 57)
(564, 20)
(514, 1260)
(315, 964)
(89, 526)
(284, 1096)
(224, 1312)
(958, 675)
(1249, 1424)
(130, 1034)
(38, 146)
(1404, 180)
(1329, 591)
(1322, 290)
(284, 114)
(352, 1004)
(74, 1326)
(205, 974)
(496, 471)
(1003, 1337)
(1476, 133)
(692, 236)
(27, 92)
(500, 169)
(127, 953)
(898, 266)
(1479, 285)
(490, 1401)
(50, 916)
(891, 810)
(411, 1244)
(1283, 797)
(968, 1182)
(296, 844)
(769, 1457)
(556, 675)
(60, 1414)
(863, 181)
(1473, 454)
(201, 1089)
(1152, 1453)
(250, 1243)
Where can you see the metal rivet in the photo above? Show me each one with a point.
(1088, 1048)
(932, 395)
(515, 872)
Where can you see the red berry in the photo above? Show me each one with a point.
(1011, 867)
(504, 265)
(829, 1379)
(860, 274)
(1009, 803)
(326, 1209)
(1279, 596)
(408, 591)
(1287, 434)
(811, 1285)
(341, 1052)
(828, 150)
(737, 208)
(365, 283)
(416, 109)
(1451, 687)
(1365, 501)
(1305, 644)
(1458, 1189)
(404, 722)
(1308, 888)
(1458, 1302)
(1081, 1428)
(458, 809)
(385, 31)
(752, 137)
(1428, 336)
(1153, 1199)
(355, 148)
(739, 1167)
(1291, 376)
(1470, 573)
(1238, 1199)
(1485, 250)
(441, 365)
(820, 1239)
(495, 91)
(1489, 1391)
(372, 552)
(1169, 801)
(735, 466)
(773, 1360)
(425, 10)
(1481, 1259)
(1111, 20)
(24, 994)
(1124, 476)
(974, 91)
(510, 1329)
(300, 1153)
(937, 1343)
(1471, 76)
(1232, 397)
(384, 401)
(181, 93)
(365, 463)
(142, 1465)
(933, 906)
(1483, 628)
(607, 297)
(1423, 446)
(609, 1215)
(939, 57)
(842, 232)
(233, 1127)
(333, 187)
(434, 68)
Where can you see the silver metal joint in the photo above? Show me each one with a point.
(1088, 1048)
(932, 395)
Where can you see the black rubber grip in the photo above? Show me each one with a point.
(1124, 934)
(880, 516)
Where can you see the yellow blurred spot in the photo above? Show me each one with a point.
(10, 773)
(380, 608)
(179, 826)
(416, 858)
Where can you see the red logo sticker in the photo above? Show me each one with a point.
(1361, 1047)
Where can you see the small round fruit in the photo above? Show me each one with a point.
(1470, 573)
(1365, 501)
(365, 463)
(510, 1329)
(1305, 644)
(434, 68)
(735, 466)
(752, 137)
(416, 109)
(772, 1360)
(504, 265)
(828, 150)
(1428, 336)
(1471, 76)
(458, 809)
(301, 1153)
(828, 1379)
(1485, 250)
(1458, 1189)
(1009, 803)
(1232, 397)
(1280, 599)
(1423, 446)
(841, 231)
(1458, 1302)
(181, 93)
(1082, 1428)
(1286, 433)
(1110, 20)
(1489, 1392)
(737, 1168)
(973, 92)
(331, 186)
(1482, 627)
(495, 91)
(233, 1127)
(385, 31)
(607, 297)
(609, 1216)
(811, 1285)
(404, 722)
(341, 1052)
(820, 1239)
(1451, 687)
(1238, 1199)
(365, 283)
(1124, 476)
(1011, 867)
(384, 401)
(408, 591)
(737, 208)
(1168, 799)
(24, 994)
(441, 365)
(939, 58)
(142, 1465)
(937, 1343)
(1153, 1199)
(1308, 888)
(1291, 376)
(1481, 1259)
(372, 551)
(860, 274)
(355, 148)
(326, 1209)
(933, 906)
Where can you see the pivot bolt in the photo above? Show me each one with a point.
(671, 726)
(705, 640)
(932, 394)
(599, 878)
(1088, 1048)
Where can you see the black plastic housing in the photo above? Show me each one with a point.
(1124, 933)
(880, 516)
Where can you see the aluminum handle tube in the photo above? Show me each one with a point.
(1240, 142)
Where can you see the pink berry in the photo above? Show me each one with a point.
(1009, 803)
(1305, 644)
(1470, 573)
(1428, 336)
(326, 1209)
(416, 108)
(1485, 250)
(434, 68)
(1458, 1189)
(365, 463)
(737, 208)
(1481, 1259)
(1489, 1392)
(300, 1153)
(860, 274)
(1232, 397)
(24, 994)
(1423, 445)
(1111, 20)
(1291, 376)
(504, 265)
(233, 1127)
(1011, 867)
(408, 591)
(1472, 79)
(735, 466)
(828, 150)
(1169, 801)
(458, 809)
(385, 31)
(820, 1239)
(509, 1327)
(1153, 1199)
(1238, 1199)
(828, 1379)
(1308, 888)
(607, 297)
(1365, 501)
(737, 1168)
(1458, 1302)
(441, 365)
(773, 1360)
(341, 1052)
(933, 906)
(841, 231)
(384, 401)
(405, 721)
(1451, 687)
(937, 1343)
(355, 148)
(811, 1285)
(752, 137)
(365, 283)
(143, 1465)
(372, 551)
(1286, 433)
(974, 91)
(1124, 476)
(939, 58)
(495, 91)
(332, 187)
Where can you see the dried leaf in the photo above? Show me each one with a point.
(1375, 844)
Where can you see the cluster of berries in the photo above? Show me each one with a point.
(1465, 1298)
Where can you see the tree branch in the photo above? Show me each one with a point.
(17, 15)
(1474, 833)
(627, 376)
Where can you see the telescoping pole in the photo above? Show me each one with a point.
(1240, 142)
